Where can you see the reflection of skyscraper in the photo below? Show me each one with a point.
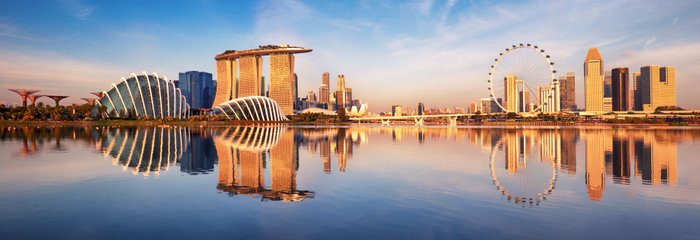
(512, 149)
(325, 153)
(655, 160)
(568, 151)
(595, 164)
(621, 160)
(200, 156)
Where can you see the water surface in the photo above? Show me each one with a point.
(348, 183)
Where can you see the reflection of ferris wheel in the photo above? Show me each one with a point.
(512, 195)
(518, 78)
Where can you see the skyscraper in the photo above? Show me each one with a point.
(421, 109)
(396, 111)
(323, 92)
(198, 88)
(250, 79)
(568, 91)
(607, 84)
(511, 92)
(340, 97)
(620, 89)
(657, 87)
(281, 81)
(593, 80)
(637, 94)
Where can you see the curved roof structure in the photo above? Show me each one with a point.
(254, 108)
(145, 95)
(263, 50)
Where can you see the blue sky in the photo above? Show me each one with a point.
(391, 52)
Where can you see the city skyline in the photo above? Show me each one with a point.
(75, 47)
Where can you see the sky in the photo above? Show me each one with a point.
(391, 52)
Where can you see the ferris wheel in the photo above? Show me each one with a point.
(522, 80)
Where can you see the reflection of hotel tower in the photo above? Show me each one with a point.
(595, 163)
(243, 154)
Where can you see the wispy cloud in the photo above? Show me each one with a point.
(78, 9)
(54, 73)
(649, 42)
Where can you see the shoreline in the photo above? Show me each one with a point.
(534, 124)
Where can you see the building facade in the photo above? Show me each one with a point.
(620, 89)
(198, 88)
(568, 91)
(593, 80)
(657, 87)
(511, 92)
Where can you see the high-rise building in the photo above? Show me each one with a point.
(297, 100)
(324, 92)
(568, 91)
(511, 92)
(620, 89)
(593, 80)
(523, 100)
(637, 106)
(348, 98)
(250, 79)
(239, 74)
(281, 81)
(340, 97)
(607, 84)
(473, 107)
(396, 111)
(198, 88)
(657, 87)
(421, 109)
(549, 98)
(607, 104)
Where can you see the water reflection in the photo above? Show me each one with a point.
(145, 150)
(263, 161)
(243, 155)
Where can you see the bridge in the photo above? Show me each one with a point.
(418, 120)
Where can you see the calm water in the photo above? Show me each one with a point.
(348, 183)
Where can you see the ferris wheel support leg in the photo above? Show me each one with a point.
(418, 121)
(453, 121)
(385, 122)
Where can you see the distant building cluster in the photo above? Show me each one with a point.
(607, 91)
(341, 98)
